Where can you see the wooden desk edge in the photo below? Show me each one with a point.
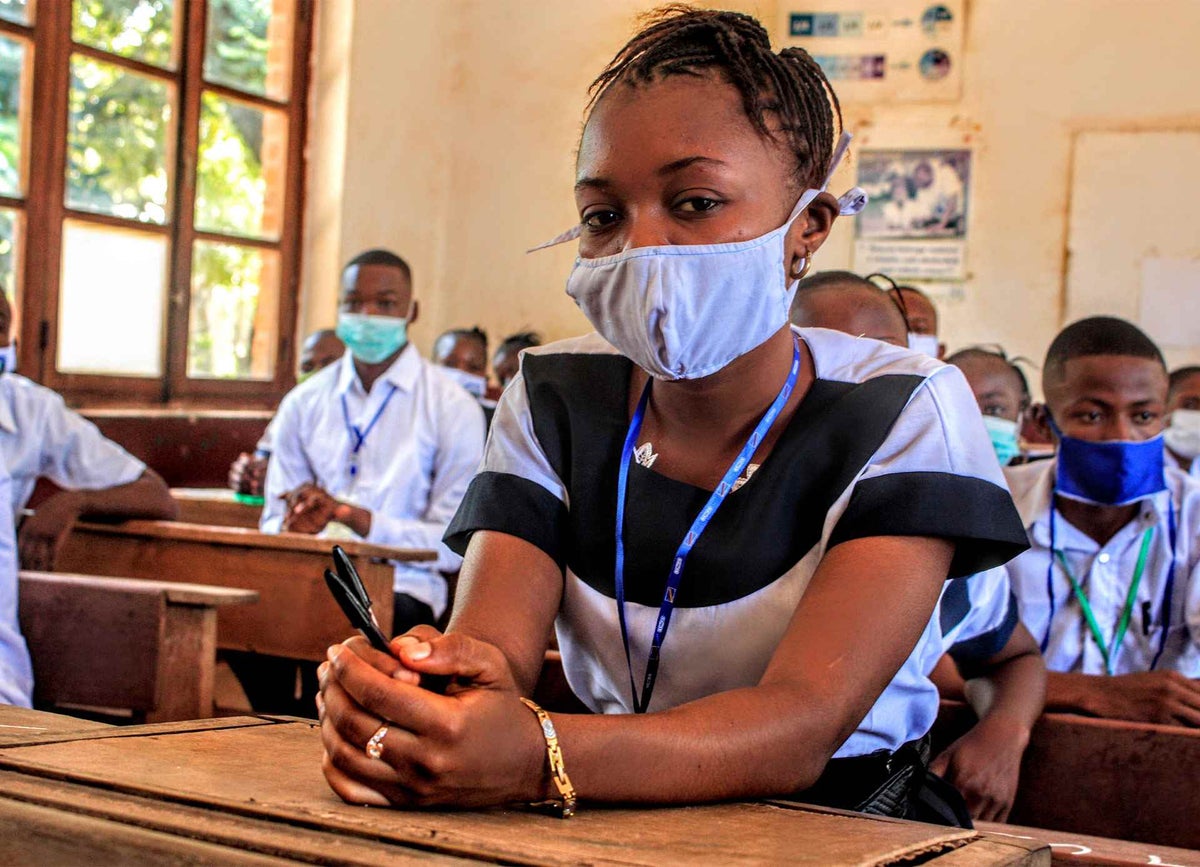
(200, 595)
(177, 531)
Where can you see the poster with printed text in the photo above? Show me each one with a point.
(881, 50)
(915, 224)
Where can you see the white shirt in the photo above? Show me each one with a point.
(39, 437)
(1105, 572)
(1172, 461)
(412, 469)
(16, 672)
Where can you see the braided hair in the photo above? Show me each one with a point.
(678, 39)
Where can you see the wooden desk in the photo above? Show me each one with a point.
(1107, 778)
(148, 647)
(1080, 850)
(217, 507)
(295, 617)
(250, 791)
(22, 725)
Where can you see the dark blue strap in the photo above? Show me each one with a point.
(699, 525)
(1168, 592)
(358, 436)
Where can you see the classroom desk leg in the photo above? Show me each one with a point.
(185, 664)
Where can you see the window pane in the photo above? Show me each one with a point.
(241, 169)
(111, 304)
(13, 78)
(141, 29)
(249, 45)
(16, 11)
(12, 229)
(233, 328)
(117, 142)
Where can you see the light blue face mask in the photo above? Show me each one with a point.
(1004, 434)
(371, 339)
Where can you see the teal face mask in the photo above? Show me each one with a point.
(371, 339)
(1004, 437)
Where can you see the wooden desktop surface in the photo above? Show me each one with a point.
(250, 790)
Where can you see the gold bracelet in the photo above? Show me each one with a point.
(564, 808)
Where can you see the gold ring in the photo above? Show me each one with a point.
(374, 748)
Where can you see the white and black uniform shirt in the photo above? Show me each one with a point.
(886, 442)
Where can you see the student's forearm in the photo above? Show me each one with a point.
(1018, 690)
(752, 742)
(145, 497)
(1074, 693)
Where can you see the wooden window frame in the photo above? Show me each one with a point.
(44, 205)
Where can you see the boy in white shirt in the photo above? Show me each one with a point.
(41, 438)
(1182, 436)
(382, 442)
(1109, 586)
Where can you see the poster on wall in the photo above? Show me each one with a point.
(877, 50)
(915, 225)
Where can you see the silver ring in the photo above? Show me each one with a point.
(374, 748)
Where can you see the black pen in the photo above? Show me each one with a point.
(1146, 617)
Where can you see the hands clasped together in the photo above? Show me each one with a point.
(474, 746)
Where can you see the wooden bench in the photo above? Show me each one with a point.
(295, 617)
(1106, 778)
(217, 507)
(146, 647)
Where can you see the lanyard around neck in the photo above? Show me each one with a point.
(1110, 651)
(1109, 654)
(358, 436)
(699, 525)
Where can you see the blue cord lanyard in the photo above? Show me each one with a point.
(1168, 591)
(358, 436)
(693, 535)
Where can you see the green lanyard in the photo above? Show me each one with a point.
(1109, 652)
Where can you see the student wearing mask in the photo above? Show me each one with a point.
(41, 438)
(1109, 586)
(843, 301)
(507, 359)
(1002, 392)
(16, 671)
(248, 472)
(381, 442)
(731, 642)
(462, 355)
(1182, 436)
(976, 619)
(922, 318)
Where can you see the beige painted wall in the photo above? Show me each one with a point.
(460, 118)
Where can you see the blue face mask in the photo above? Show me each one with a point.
(371, 339)
(1004, 438)
(1113, 473)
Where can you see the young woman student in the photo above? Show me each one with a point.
(738, 531)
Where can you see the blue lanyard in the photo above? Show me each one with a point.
(693, 535)
(1168, 591)
(358, 436)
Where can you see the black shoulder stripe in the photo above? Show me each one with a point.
(977, 515)
(969, 655)
(956, 602)
(513, 505)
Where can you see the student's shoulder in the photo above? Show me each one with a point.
(25, 395)
(1185, 490)
(844, 358)
(572, 362)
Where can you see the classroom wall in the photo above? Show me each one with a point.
(460, 120)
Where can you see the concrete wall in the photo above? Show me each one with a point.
(459, 120)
